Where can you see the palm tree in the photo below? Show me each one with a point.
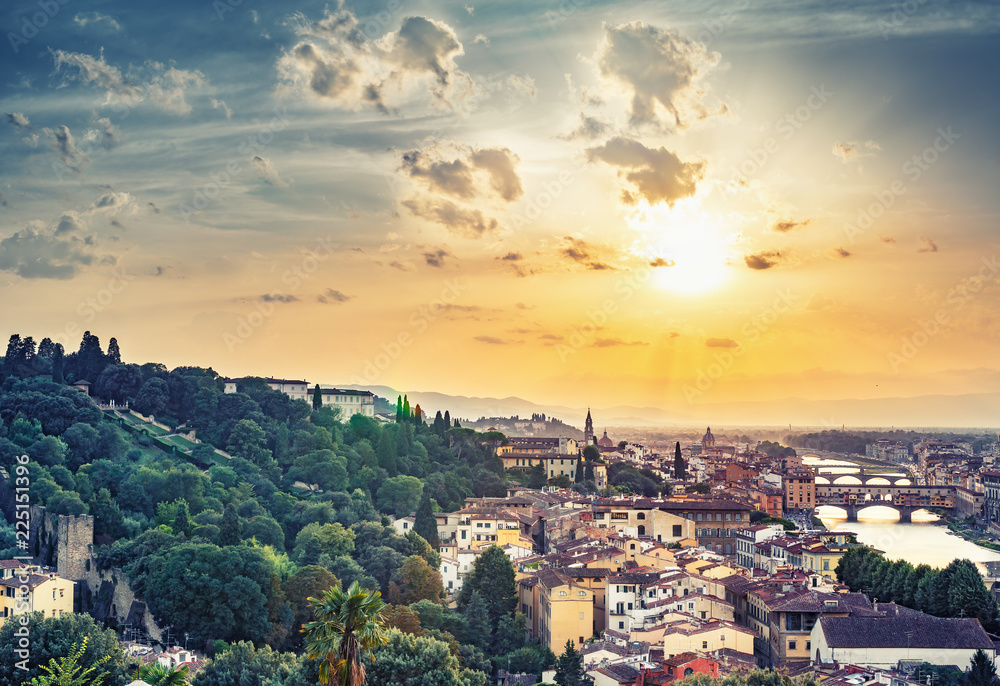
(347, 622)
(156, 674)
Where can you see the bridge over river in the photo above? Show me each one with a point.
(904, 498)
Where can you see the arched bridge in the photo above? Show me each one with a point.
(859, 477)
(904, 499)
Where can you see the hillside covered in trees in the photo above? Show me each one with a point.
(278, 502)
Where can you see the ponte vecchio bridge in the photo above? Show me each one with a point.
(904, 498)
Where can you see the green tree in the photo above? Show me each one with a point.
(417, 580)
(229, 530)
(347, 624)
(248, 440)
(400, 495)
(317, 398)
(492, 576)
(418, 661)
(55, 638)
(569, 667)
(425, 523)
(537, 477)
(309, 581)
(981, 670)
(243, 664)
(66, 671)
(181, 524)
(155, 674)
(680, 469)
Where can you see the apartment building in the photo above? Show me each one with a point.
(31, 588)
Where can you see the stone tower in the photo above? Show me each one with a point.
(588, 430)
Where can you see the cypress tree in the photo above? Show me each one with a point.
(317, 398)
(425, 524)
(406, 407)
(399, 408)
(680, 469)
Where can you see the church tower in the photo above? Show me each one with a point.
(588, 430)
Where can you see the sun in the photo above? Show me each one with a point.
(693, 245)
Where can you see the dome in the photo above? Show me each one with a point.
(606, 442)
(708, 439)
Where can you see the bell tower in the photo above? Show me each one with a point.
(588, 430)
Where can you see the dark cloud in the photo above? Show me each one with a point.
(657, 174)
(511, 257)
(522, 306)
(18, 120)
(840, 252)
(63, 143)
(789, 225)
(435, 258)
(278, 298)
(153, 207)
(467, 223)
(332, 296)
(660, 262)
(582, 253)
(115, 222)
(401, 266)
(492, 340)
(614, 342)
(762, 260)
(589, 129)
(888, 240)
(928, 245)
(721, 343)
(660, 70)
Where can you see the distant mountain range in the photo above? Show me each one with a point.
(940, 411)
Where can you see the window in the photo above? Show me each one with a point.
(581, 615)
(808, 645)
(563, 593)
(792, 645)
(463, 534)
(677, 531)
(704, 645)
(703, 613)
(641, 515)
(582, 593)
(621, 625)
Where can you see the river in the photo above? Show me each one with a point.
(920, 542)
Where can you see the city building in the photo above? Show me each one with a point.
(348, 402)
(296, 389)
(31, 588)
(800, 490)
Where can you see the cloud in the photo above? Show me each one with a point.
(848, 151)
(334, 62)
(888, 240)
(266, 172)
(278, 298)
(511, 257)
(840, 252)
(660, 262)
(436, 257)
(107, 135)
(522, 306)
(18, 120)
(657, 174)
(588, 129)
(492, 340)
(64, 144)
(456, 181)
(59, 252)
(332, 296)
(104, 21)
(470, 9)
(789, 225)
(762, 260)
(165, 87)
(928, 245)
(480, 39)
(614, 342)
(402, 266)
(721, 343)
(221, 104)
(661, 71)
(112, 202)
(550, 337)
(153, 207)
(459, 221)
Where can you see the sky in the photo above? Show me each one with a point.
(663, 204)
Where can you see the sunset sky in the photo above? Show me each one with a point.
(646, 203)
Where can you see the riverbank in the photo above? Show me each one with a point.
(960, 527)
